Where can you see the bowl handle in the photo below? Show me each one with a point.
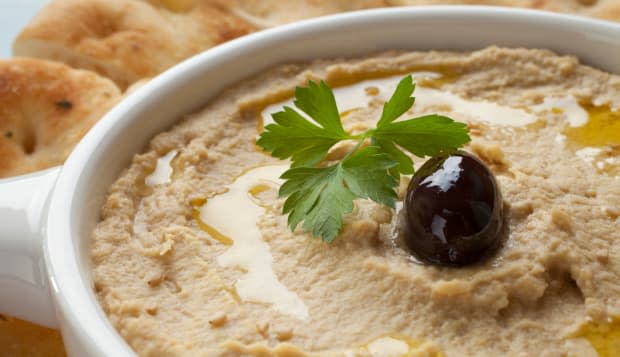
(24, 285)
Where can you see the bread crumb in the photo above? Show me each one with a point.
(284, 335)
(602, 256)
(151, 309)
(372, 90)
(611, 212)
(521, 209)
(450, 289)
(491, 153)
(263, 329)
(218, 320)
(560, 218)
(166, 247)
(154, 279)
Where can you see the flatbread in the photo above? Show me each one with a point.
(127, 40)
(45, 109)
(263, 14)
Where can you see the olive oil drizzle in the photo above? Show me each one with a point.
(214, 233)
(232, 218)
(603, 336)
(258, 189)
(602, 128)
(163, 171)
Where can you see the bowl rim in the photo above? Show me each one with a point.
(76, 309)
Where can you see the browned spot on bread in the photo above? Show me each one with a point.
(64, 104)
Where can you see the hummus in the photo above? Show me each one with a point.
(192, 256)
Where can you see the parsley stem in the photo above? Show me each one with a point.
(365, 135)
(360, 141)
(357, 137)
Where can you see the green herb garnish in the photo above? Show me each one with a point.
(319, 195)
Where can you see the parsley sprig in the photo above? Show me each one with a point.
(320, 195)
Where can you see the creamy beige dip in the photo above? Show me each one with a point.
(192, 257)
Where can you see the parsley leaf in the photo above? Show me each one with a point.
(423, 136)
(404, 163)
(427, 135)
(293, 136)
(399, 103)
(317, 100)
(365, 175)
(319, 196)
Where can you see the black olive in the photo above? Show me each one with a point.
(453, 211)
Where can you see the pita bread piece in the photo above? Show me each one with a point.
(269, 13)
(126, 40)
(45, 109)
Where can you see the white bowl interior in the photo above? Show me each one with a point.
(126, 130)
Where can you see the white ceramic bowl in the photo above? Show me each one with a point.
(46, 218)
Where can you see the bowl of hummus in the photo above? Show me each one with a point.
(163, 233)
